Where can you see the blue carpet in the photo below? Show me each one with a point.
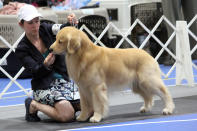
(14, 95)
(171, 123)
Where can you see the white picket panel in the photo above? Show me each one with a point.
(184, 66)
(12, 79)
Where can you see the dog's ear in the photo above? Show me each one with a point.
(73, 45)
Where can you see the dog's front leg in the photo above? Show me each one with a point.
(100, 102)
(86, 108)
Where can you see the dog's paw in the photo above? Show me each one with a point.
(167, 111)
(81, 118)
(144, 109)
(95, 119)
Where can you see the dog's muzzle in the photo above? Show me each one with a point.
(50, 50)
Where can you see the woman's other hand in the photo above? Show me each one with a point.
(72, 19)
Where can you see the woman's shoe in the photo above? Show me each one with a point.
(30, 117)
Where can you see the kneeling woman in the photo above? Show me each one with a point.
(52, 89)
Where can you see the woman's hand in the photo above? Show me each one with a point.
(49, 60)
(72, 19)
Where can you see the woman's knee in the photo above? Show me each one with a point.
(65, 111)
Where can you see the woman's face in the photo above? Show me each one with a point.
(31, 27)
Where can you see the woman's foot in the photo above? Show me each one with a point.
(31, 113)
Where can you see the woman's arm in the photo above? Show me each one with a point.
(72, 21)
(37, 68)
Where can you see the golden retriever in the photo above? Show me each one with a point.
(95, 69)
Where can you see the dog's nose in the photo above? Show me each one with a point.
(50, 50)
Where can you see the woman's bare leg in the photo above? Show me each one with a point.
(62, 110)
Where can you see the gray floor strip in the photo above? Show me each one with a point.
(119, 113)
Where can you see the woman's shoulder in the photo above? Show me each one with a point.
(45, 25)
(23, 44)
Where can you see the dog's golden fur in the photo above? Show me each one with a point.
(95, 69)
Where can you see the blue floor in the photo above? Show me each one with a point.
(171, 123)
(14, 95)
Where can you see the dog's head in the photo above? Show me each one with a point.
(67, 41)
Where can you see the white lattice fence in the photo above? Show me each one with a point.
(193, 36)
(183, 63)
(151, 34)
(12, 79)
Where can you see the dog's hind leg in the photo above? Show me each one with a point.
(148, 103)
(155, 86)
(100, 102)
(148, 99)
(165, 96)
